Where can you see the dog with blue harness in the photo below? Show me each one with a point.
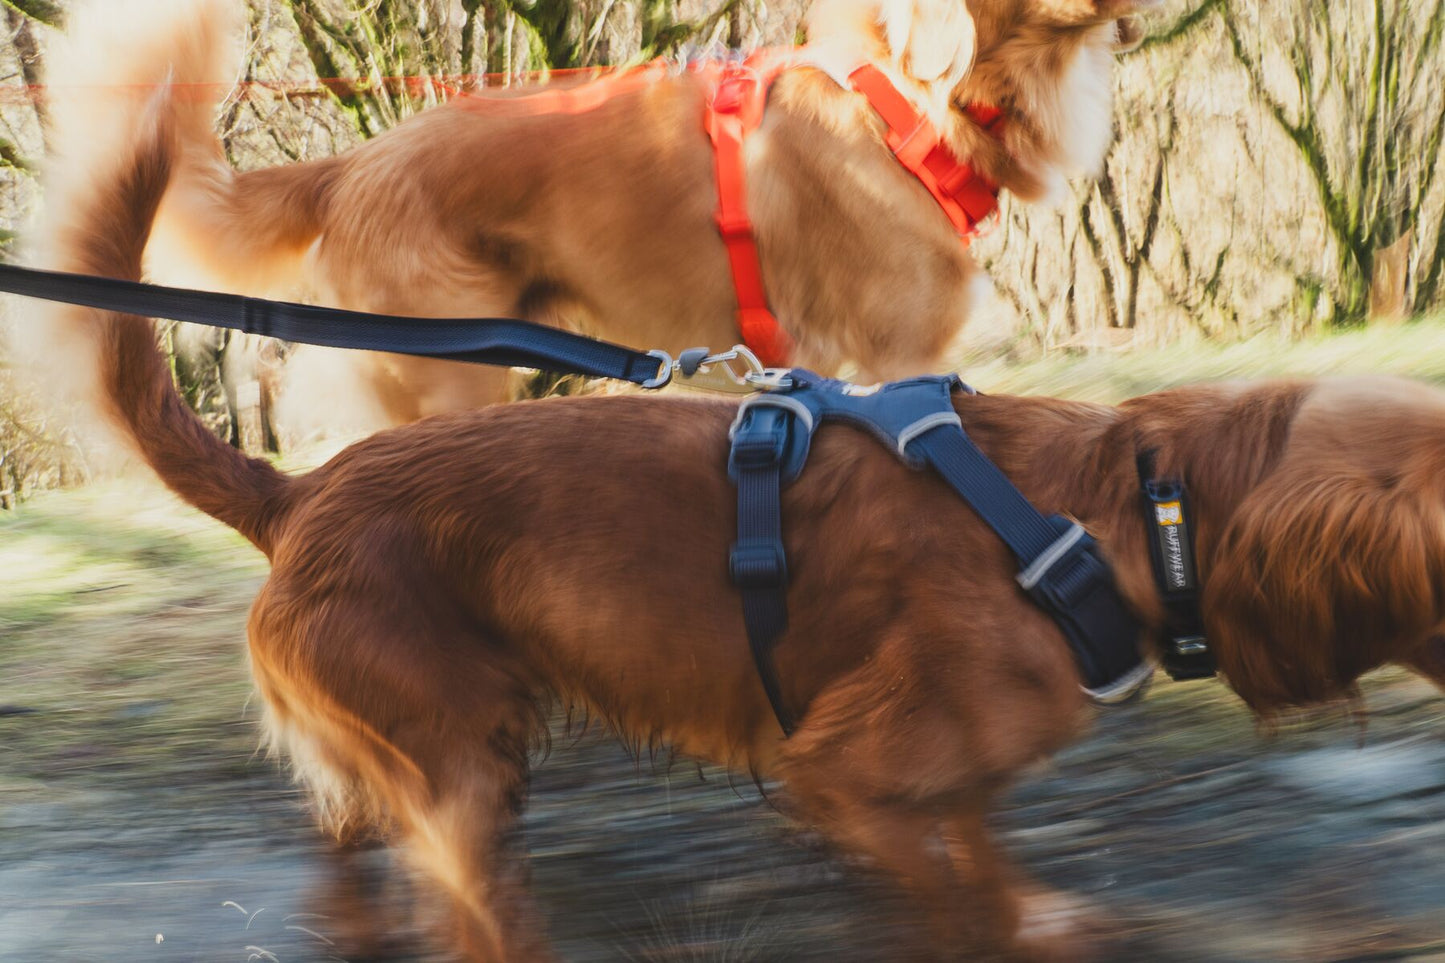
(1060, 567)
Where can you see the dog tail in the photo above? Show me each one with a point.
(115, 150)
(242, 232)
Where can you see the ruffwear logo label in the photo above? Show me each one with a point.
(1169, 513)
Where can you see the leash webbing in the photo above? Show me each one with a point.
(509, 342)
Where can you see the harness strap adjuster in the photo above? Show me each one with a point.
(734, 225)
(937, 419)
(757, 563)
(1040, 567)
(914, 147)
(759, 449)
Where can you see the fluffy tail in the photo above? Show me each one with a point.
(116, 150)
(243, 232)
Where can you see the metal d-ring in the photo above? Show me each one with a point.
(665, 366)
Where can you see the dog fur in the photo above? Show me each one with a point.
(603, 221)
(434, 586)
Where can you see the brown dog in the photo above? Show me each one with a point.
(603, 220)
(434, 586)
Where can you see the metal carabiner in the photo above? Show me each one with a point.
(698, 368)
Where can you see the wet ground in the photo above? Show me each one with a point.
(137, 823)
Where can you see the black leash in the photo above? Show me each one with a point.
(508, 342)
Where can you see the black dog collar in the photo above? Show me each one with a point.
(1184, 647)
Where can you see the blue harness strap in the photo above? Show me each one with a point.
(1060, 566)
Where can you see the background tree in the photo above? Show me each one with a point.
(1359, 88)
(1274, 164)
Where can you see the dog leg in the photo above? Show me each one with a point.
(465, 834)
(1041, 924)
(961, 901)
(393, 701)
(358, 904)
(897, 763)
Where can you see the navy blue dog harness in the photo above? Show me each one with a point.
(1059, 563)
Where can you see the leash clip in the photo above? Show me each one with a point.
(735, 371)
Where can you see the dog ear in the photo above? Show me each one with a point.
(1322, 574)
(1128, 34)
(929, 40)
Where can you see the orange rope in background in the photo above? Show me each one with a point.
(449, 85)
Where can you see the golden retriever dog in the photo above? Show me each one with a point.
(604, 219)
(434, 587)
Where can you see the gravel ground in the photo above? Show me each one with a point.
(1307, 846)
(137, 823)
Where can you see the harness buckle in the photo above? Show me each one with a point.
(1066, 572)
(734, 226)
(1189, 657)
(736, 371)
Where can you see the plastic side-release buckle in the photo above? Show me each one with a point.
(1189, 657)
(1071, 581)
(759, 437)
(1065, 571)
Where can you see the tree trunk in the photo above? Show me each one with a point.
(1390, 271)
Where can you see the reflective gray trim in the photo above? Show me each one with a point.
(926, 423)
(1123, 688)
(1030, 576)
(773, 401)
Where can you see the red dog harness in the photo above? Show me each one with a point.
(735, 109)
(736, 94)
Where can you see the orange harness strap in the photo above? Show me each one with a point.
(966, 196)
(735, 104)
(735, 108)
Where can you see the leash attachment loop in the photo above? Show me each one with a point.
(735, 371)
(665, 367)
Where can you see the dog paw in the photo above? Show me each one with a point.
(1057, 927)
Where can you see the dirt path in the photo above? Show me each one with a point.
(132, 805)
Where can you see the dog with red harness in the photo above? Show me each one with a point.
(816, 203)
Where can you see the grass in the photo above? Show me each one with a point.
(121, 635)
(1416, 350)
